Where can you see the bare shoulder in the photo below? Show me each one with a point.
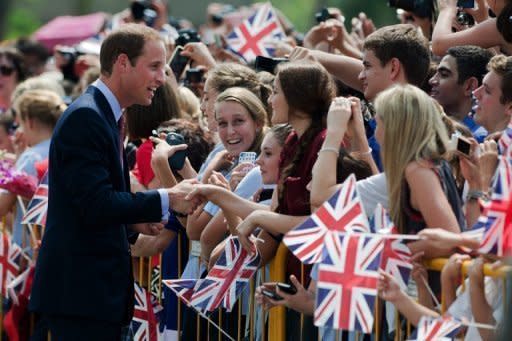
(419, 171)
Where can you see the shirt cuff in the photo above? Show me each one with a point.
(164, 201)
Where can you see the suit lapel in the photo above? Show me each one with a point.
(106, 111)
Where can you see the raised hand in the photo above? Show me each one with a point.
(339, 114)
(199, 53)
(388, 288)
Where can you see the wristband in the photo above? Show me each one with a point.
(368, 152)
(330, 149)
(476, 194)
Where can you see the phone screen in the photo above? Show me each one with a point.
(463, 146)
(178, 62)
(466, 3)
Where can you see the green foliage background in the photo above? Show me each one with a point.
(24, 16)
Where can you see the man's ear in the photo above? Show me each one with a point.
(396, 69)
(470, 85)
(122, 62)
(508, 109)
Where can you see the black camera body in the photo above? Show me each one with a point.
(218, 18)
(143, 10)
(323, 15)
(187, 36)
(422, 8)
(194, 75)
(268, 64)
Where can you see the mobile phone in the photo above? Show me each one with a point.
(178, 62)
(263, 63)
(247, 157)
(463, 146)
(178, 159)
(466, 3)
(271, 294)
(290, 289)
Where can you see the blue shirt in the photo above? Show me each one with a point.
(478, 132)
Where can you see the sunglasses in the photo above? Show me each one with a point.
(6, 70)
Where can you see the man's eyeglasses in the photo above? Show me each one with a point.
(6, 70)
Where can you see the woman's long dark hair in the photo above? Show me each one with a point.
(308, 88)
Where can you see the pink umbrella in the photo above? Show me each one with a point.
(69, 30)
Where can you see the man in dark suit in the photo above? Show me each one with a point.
(83, 285)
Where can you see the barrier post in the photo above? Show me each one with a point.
(277, 316)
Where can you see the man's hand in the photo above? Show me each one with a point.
(178, 194)
(150, 229)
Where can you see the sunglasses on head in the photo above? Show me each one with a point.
(6, 70)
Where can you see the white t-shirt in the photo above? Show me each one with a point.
(461, 307)
(372, 191)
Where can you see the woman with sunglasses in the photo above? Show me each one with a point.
(12, 72)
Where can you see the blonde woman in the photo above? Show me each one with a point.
(38, 112)
(421, 187)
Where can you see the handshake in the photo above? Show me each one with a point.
(178, 200)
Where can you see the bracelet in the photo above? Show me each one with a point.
(361, 154)
(330, 149)
(476, 194)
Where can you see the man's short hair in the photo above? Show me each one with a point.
(129, 39)
(405, 43)
(471, 62)
(502, 65)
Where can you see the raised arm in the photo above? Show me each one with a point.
(323, 183)
(484, 34)
(346, 69)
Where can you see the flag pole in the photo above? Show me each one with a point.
(203, 315)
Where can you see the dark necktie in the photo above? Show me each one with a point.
(122, 134)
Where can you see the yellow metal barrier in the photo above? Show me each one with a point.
(277, 316)
(437, 264)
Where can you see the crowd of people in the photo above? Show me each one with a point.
(142, 157)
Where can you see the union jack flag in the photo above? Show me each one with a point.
(396, 257)
(38, 206)
(257, 35)
(347, 283)
(342, 212)
(9, 262)
(227, 279)
(434, 329)
(21, 285)
(145, 315)
(183, 288)
(497, 215)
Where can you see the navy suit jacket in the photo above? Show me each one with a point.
(84, 265)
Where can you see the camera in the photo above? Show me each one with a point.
(194, 75)
(187, 36)
(421, 8)
(218, 18)
(460, 144)
(464, 18)
(142, 10)
(267, 64)
(70, 55)
(178, 63)
(323, 15)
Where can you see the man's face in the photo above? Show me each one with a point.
(445, 88)
(139, 82)
(374, 76)
(490, 112)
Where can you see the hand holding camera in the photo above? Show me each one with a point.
(173, 149)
